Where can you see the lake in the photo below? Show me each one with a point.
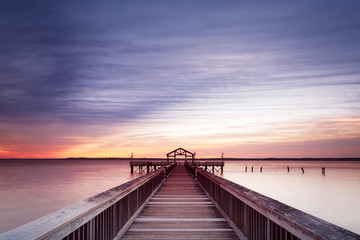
(334, 197)
(30, 189)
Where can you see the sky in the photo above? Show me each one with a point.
(244, 78)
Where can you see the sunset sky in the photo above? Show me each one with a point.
(108, 78)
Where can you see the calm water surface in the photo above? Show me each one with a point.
(30, 189)
(334, 197)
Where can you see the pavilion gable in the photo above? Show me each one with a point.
(180, 151)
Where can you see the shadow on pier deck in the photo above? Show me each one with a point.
(180, 210)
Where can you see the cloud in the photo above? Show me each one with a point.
(65, 52)
(109, 63)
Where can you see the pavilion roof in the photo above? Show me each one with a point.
(180, 151)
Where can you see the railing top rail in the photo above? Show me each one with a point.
(208, 163)
(190, 165)
(292, 219)
(170, 165)
(86, 209)
(145, 162)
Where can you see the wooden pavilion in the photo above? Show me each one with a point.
(171, 156)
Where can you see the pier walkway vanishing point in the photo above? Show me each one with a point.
(180, 210)
(179, 202)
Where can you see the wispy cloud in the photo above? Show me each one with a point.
(102, 65)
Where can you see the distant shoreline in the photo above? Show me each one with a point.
(197, 159)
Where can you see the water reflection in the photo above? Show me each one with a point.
(32, 189)
(333, 197)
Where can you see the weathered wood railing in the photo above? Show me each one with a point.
(104, 216)
(168, 169)
(149, 166)
(212, 163)
(193, 169)
(255, 216)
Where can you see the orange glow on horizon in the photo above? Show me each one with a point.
(336, 137)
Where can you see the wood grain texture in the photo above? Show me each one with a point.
(98, 217)
(259, 217)
(180, 210)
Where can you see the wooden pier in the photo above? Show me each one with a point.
(180, 210)
(172, 157)
(210, 166)
(174, 203)
(148, 166)
(152, 165)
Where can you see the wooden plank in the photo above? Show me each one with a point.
(149, 219)
(179, 198)
(180, 235)
(193, 225)
(180, 203)
(180, 230)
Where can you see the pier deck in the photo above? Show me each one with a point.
(180, 210)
